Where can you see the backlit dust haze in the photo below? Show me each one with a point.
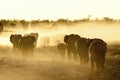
(55, 9)
(106, 31)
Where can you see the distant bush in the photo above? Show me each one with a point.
(1, 27)
(114, 50)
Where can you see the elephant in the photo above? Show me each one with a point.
(98, 50)
(44, 41)
(14, 39)
(35, 35)
(66, 38)
(82, 49)
(26, 45)
(61, 49)
(70, 41)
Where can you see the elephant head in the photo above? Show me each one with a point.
(14, 39)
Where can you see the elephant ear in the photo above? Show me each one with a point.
(15, 38)
(12, 38)
(35, 35)
(66, 38)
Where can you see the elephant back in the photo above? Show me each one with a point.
(27, 42)
(61, 46)
(98, 45)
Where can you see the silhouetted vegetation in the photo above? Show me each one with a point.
(114, 49)
(1, 26)
(25, 24)
(107, 19)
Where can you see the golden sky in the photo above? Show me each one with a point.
(54, 9)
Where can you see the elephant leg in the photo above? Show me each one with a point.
(27, 54)
(81, 61)
(103, 61)
(30, 54)
(62, 54)
(99, 61)
(14, 49)
(75, 56)
(80, 58)
(23, 54)
(92, 63)
(100, 64)
(69, 54)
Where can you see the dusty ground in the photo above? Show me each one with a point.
(45, 65)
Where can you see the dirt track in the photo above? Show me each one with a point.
(53, 69)
(111, 72)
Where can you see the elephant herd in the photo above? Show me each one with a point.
(84, 48)
(80, 48)
(25, 44)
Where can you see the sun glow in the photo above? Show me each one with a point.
(5, 41)
(54, 9)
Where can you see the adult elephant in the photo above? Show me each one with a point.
(44, 41)
(83, 50)
(14, 39)
(61, 49)
(24, 44)
(35, 35)
(70, 41)
(97, 49)
(27, 45)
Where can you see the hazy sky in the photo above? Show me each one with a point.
(54, 9)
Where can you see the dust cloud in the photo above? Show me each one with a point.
(106, 31)
(46, 63)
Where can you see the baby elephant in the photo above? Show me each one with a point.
(61, 49)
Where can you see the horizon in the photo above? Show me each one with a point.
(87, 18)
